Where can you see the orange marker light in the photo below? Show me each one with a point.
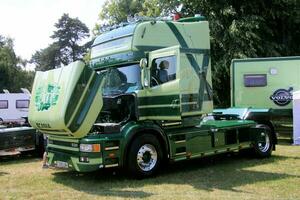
(111, 155)
(96, 148)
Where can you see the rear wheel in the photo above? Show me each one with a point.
(145, 156)
(263, 144)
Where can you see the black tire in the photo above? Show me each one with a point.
(144, 166)
(263, 145)
(40, 145)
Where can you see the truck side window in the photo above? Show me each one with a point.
(3, 104)
(255, 80)
(163, 70)
(22, 103)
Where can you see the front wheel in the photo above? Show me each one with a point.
(263, 145)
(145, 156)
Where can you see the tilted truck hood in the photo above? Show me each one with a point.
(66, 101)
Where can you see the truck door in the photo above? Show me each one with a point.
(161, 100)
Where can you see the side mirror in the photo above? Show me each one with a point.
(145, 72)
(143, 63)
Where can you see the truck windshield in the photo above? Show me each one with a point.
(122, 80)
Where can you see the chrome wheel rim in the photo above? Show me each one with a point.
(147, 157)
(265, 144)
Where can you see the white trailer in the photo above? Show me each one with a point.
(296, 117)
(14, 106)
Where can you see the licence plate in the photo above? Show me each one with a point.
(61, 164)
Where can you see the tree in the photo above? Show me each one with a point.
(116, 11)
(12, 76)
(238, 29)
(242, 29)
(47, 58)
(66, 47)
(70, 31)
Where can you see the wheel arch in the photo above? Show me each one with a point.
(141, 129)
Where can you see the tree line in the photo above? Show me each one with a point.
(238, 29)
(12, 75)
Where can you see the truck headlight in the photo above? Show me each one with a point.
(89, 147)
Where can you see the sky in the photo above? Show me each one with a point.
(31, 22)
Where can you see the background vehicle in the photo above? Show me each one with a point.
(265, 86)
(14, 107)
(139, 103)
(14, 141)
(16, 135)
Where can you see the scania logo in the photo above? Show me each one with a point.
(282, 97)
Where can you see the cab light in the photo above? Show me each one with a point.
(90, 147)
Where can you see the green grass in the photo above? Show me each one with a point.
(220, 177)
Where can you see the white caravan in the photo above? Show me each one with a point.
(14, 106)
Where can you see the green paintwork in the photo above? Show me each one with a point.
(228, 123)
(181, 142)
(188, 40)
(171, 111)
(258, 99)
(70, 114)
(288, 75)
(192, 19)
(46, 96)
(206, 138)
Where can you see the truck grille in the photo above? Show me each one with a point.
(69, 146)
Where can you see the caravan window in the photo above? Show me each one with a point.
(22, 104)
(255, 80)
(3, 104)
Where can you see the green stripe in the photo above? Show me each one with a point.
(63, 143)
(204, 82)
(189, 97)
(62, 147)
(157, 100)
(89, 102)
(195, 51)
(86, 103)
(102, 62)
(159, 111)
(78, 91)
(193, 97)
(194, 64)
(73, 127)
(148, 48)
(177, 34)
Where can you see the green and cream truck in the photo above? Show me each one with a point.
(262, 90)
(142, 100)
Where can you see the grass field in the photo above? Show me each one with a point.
(220, 177)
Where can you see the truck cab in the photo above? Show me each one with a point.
(142, 100)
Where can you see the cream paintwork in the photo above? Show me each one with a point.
(66, 77)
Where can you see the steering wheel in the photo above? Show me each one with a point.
(154, 81)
